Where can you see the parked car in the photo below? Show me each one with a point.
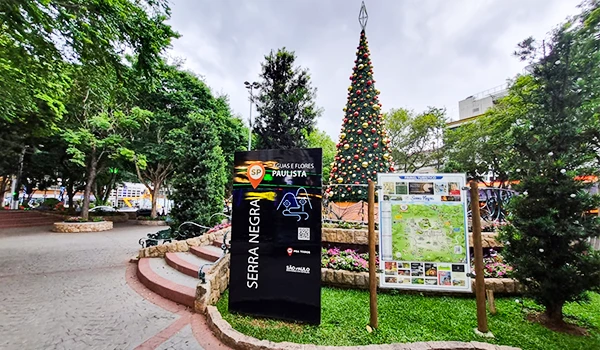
(102, 208)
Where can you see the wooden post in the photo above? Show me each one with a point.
(491, 302)
(482, 325)
(372, 266)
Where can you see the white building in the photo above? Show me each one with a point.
(476, 105)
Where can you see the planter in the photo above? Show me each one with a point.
(73, 227)
(151, 222)
(114, 218)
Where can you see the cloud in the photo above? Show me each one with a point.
(425, 53)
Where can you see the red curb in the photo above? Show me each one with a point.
(165, 334)
(163, 287)
(135, 284)
(219, 243)
(205, 253)
(182, 265)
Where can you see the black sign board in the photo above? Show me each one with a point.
(276, 235)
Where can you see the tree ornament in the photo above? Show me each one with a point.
(365, 125)
(356, 156)
(350, 88)
(373, 130)
(375, 145)
(365, 164)
(356, 114)
(358, 92)
(340, 180)
(386, 156)
(359, 131)
(342, 135)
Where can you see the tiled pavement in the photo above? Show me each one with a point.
(78, 291)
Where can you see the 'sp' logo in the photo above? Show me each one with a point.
(290, 251)
(256, 172)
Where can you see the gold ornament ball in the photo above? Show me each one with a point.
(344, 109)
(346, 146)
(366, 105)
(365, 125)
(365, 164)
(386, 156)
(339, 180)
(354, 105)
(359, 191)
(342, 135)
(349, 88)
(362, 118)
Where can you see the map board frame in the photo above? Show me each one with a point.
(275, 268)
(423, 232)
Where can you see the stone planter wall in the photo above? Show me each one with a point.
(236, 340)
(217, 280)
(360, 280)
(180, 246)
(72, 227)
(347, 236)
(488, 240)
(114, 218)
(151, 222)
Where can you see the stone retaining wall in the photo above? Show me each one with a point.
(347, 236)
(151, 222)
(73, 227)
(361, 237)
(229, 336)
(217, 280)
(180, 246)
(360, 280)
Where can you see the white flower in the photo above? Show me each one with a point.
(541, 250)
(517, 301)
(573, 195)
(551, 154)
(518, 170)
(525, 193)
(562, 171)
(557, 62)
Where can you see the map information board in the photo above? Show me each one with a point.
(423, 232)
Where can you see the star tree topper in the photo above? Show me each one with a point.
(363, 16)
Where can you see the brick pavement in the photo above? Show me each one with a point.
(77, 291)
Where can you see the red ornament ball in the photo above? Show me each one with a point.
(373, 130)
(366, 55)
(343, 160)
(365, 149)
(363, 176)
(356, 114)
(359, 131)
(356, 156)
(375, 145)
(369, 83)
(392, 168)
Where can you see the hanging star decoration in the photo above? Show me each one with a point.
(363, 16)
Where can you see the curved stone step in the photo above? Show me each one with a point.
(187, 263)
(219, 243)
(207, 252)
(167, 282)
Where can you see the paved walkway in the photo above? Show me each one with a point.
(79, 291)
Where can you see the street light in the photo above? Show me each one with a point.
(250, 87)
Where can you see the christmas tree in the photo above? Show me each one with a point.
(362, 150)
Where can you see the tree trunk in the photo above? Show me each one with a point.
(91, 177)
(71, 196)
(154, 198)
(554, 313)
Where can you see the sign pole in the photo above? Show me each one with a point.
(372, 259)
(482, 325)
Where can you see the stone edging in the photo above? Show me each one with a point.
(160, 250)
(350, 236)
(74, 227)
(217, 280)
(360, 280)
(229, 336)
(151, 222)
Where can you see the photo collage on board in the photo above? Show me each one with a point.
(427, 274)
(448, 191)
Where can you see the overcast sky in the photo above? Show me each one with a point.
(424, 53)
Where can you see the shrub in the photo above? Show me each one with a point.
(348, 259)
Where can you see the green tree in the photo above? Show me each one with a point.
(416, 139)
(487, 144)
(285, 103)
(556, 148)
(178, 94)
(199, 180)
(319, 139)
(363, 147)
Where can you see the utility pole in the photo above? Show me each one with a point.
(250, 87)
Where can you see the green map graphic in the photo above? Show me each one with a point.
(428, 232)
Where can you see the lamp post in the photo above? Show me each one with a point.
(250, 87)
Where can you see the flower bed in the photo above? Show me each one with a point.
(351, 260)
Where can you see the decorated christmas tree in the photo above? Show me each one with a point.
(362, 150)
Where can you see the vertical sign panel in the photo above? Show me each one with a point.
(424, 240)
(276, 235)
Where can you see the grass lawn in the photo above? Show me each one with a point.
(413, 318)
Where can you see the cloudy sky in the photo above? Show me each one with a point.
(424, 53)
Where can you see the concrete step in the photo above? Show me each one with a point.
(187, 263)
(207, 252)
(22, 218)
(167, 282)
